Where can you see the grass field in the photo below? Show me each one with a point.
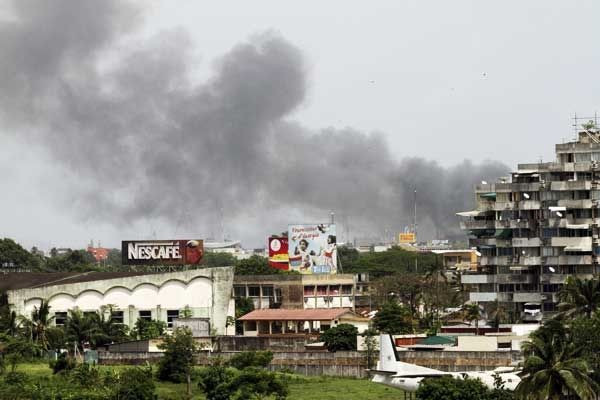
(301, 388)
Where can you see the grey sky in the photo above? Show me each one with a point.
(444, 81)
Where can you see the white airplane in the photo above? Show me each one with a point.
(392, 372)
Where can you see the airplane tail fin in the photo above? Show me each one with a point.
(387, 353)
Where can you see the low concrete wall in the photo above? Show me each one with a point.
(274, 343)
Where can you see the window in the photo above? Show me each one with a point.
(250, 325)
(346, 289)
(321, 290)
(116, 317)
(267, 291)
(171, 315)
(334, 290)
(60, 318)
(254, 291)
(309, 290)
(239, 291)
(146, 315)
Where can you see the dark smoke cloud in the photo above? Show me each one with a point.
(161, 146)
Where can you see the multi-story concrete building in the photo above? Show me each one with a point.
(535, 229)
(304, 291)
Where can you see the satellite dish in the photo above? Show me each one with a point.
(552, 269)
(526, 195)
(483, 182)
(522, 251)
(559, 214)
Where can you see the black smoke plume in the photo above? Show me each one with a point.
(143, 140)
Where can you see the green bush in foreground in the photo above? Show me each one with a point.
(449, 388)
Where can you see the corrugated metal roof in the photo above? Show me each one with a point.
(279, 314)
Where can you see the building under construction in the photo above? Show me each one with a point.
(535, 229)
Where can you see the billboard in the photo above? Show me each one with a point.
(278, 253)
(312, 248)
(406, 238)
(162, 252)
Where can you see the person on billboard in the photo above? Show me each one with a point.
(330, 253)
(302, 250)
(193, 252)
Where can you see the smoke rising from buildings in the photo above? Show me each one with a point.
(143, 140)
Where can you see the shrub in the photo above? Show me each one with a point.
(135, 384)
(215, 381)
(260, 359)
(63, 363)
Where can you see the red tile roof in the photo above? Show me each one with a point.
(280, 314)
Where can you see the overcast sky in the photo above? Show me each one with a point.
(445, 81)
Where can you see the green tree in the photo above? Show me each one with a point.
(554, 367)
(256, 265)
(394, 319)
(215, 381)
(144, 329)
(13, 253)
(340, 338)
(215, 259)
(449, 388)
(579, 297)
(178, 359)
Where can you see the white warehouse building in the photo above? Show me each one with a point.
(207, 293)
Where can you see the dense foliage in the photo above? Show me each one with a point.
(252, 381)
(449, 388)
(393, 318)
(339, 338)
(247, 359)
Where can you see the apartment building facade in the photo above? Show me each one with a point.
(535, 229)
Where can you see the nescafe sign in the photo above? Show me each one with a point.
(162, 252)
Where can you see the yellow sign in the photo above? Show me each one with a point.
(406, 238)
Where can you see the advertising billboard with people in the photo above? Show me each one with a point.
(313, 248)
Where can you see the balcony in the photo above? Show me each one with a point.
(516, 278)
(483, 242)
(579, 243)
(529, 205)
(526, 242)
(476, 279)
(485, 188)
(492, 260)
(476, 224)
(530, 260)
(584, 203)
(483, 296)
(504, 205)
(575, 185)
(525, 297)
(554, 278)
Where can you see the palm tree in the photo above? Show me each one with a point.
(37, 325)
(472, 312)
(579, 297)
(80, 328)
(553, 366)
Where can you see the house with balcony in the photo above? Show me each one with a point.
(536, 228)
